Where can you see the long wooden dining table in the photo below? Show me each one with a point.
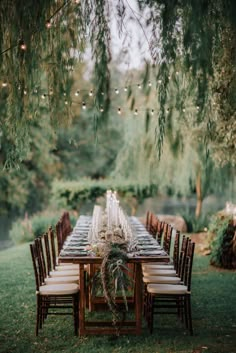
(88, 327)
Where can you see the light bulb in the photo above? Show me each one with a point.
(51, 92)
(43, 96)
(183, 110)
(4, 84)
(125, 89)
(66, 102)
(101, 109)
(77, 93)
(152, 111)
(102, 93)
(84, 105)
(117, 91)
(91, 93)
(198, 107)
(149, 84)
(25, 92)
(136, 112)
(64, 94)
(119, 111)
(167, 110)
(139, 86)
(159, 81)
(48, 24)
(22, 45)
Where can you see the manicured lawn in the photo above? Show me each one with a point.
(213, 303)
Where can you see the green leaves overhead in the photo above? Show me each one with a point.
(40, 42)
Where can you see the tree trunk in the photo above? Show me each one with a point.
(199, 194)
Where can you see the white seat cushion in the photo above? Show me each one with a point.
(157, 267)
(162, 279)
(167, 289)
(59, 289)
(65, 263)
(153, 272)
(64, 273)
(67, 267)
(61, 280)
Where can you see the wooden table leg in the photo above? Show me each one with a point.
(138, 298)
(82, 302)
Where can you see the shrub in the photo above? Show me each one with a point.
(72, 194)
(24, 230)
(196, 225)
(224, 244)
(21, 231)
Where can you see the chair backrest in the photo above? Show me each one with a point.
(51, 238)
(59, 236)
(176, 250)
(48, 253)
(160, 229)
(189, 265)
(182, 257)
(42, 258)
(167, 238)
(37, 264)
(66, 225)
(153, 225)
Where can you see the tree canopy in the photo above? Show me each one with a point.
(41, 42)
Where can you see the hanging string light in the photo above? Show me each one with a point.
(119, 111)
(4, 84)
(84, 105)
(136, 112)
(22, 45)
(91, 93)
(77, 93)
(48, 24)
(117, 91)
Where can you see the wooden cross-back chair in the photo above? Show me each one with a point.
(52, 298)
(173, 298)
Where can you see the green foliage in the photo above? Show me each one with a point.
(224, 245)
(24, 230)
(71, 194)
(195, 225)
(193, 37)
(21, 231)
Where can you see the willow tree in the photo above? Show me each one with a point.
(40, 42)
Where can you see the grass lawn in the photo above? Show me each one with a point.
(213, 304)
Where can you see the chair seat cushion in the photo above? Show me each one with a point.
(61, 280)
(64, 273)
(67, 267)
(59, 289)
(157, 267)
(156, 272)
(167, 289)
(162, 279)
